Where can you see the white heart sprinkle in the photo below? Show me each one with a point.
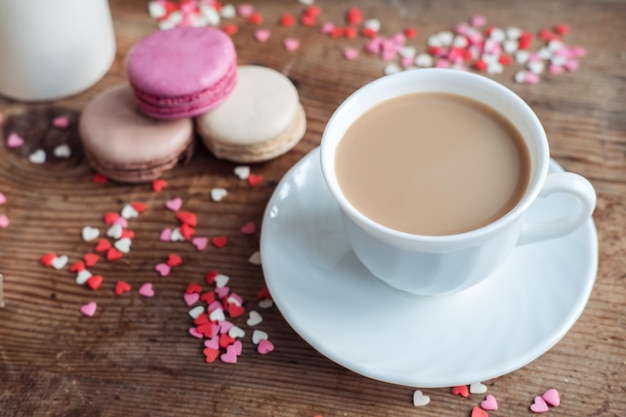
(520, 77)
(497, 35)
(424, 60)
(172, 21)
(259, 335)
(129, 212)
(306, 2)
(433, 40)
(233, 300)
(478, 388)
(90, 233)
(266, 303)
(217, 315)
(510, 46)
(123, 245)
(254, 318)
(115, 231)
(495, 68)
(156, 9)
(445, 38)
(210, 16)
(544, 53)
(373, 24)
(407, 52)
(513, 33)
(62, 151)
(255, 258)
(176, 236)
(228, 11)
(522, 57)
(82, 277)
(37, 157)
(59, 262)
(419, 399)
(392, 68)
(195, 312)
(236, 332)
(242, 171)
(221, 280)
(459, 42)
(218, 193)
(536, 67)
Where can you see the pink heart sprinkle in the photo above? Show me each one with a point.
(195, 333)
(531, 78)
(61, 122)
(122, 222)
(89, 309)
(236, 298)
(539, 406)
(238, 347)
(350, 53)
(225, 326)
(3, 199)
(489, 404)
(230, 356)
(163, 269)
(222, 292)
(572, 65)
(213, 342)
(555, 69)
(248, 229)
(200, 242)
(4, 221)
(146, 290)
(407, 62)
(166, 235)
(264, 347)
(245, 10)
(552, 397)
(191, 299)
(327, 28)
(291, 44)
(477, 21)
(14, 140)
(174, 204)
(214, 306)
(262, 35)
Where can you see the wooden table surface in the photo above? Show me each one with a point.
(135, 357)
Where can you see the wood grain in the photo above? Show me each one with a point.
(135, 357)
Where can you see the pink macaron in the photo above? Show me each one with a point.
(182, 72)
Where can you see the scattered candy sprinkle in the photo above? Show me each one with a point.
(539, 405)
(461, 390)
(477, 388)
(489, 403)
(419, 399)
(146, 290)
(552, 397)
(89, 309)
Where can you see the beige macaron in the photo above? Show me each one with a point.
(260, 120)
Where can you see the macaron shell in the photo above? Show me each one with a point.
(262, 106)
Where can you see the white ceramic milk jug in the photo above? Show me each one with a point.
(51, 49)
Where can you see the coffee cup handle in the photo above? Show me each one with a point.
(561, 182)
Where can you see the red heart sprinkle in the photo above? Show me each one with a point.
(126, 233)
(349, 33)
(230, 29)
(525, 40)
(110, 217)
(77, 266)
(336, 32)
(91, 259)
(312, 11)
(255, 18)
(219, 241)
(410, 33)
(461, 390)
(306, 20)
(354, 16)
(210, 354)
(140, 207)
(48, 258)
(94, 282)
(113, 254)
(561, 29)
(201, 319)
(103, 245)
(208, 297)
(264, 294)
(186, 231)
(235, 311)
(121, 287)
(208, 329)
(209, 277)
(505, 60)
(254, 180)
(368, 32)
(287, 20)
(99, 179)
(158, 185)
(174, 260)
(193, 288)
(479, 412)
(480, 65)
(226, 340)
(188, 218)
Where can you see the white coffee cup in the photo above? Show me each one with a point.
(50, 49)
(435, 265)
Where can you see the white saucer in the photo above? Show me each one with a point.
(354, 319)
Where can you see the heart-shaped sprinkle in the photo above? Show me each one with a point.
(208, 329)
(59, 262)
(264, 346)
(230, 356)
(235, 298)
(262, 35)
(461, 390)
(166, 235)
(14, 140)
(215, 305)
(61, 122)
(196, 311)
(174, 260)
(193, 288)
(123, 245)
(209, 277)
(230, 29)
(350, 53)
(552, 397)
(210, 354)
(113, 254)
(37, 157)
(489, 403)
(259, 335)
(291, 44)
(539, 405)
(219, 241)
(392, 68)
(115, 231)
(174, 204)
(254, 318)
(228, 11)
(146, 290)
(4, 221)
(221, 280)
(62, 151)
(195, 333)
(158, 185)
(110, 218)
(217, 315)
(245, 10)
(200, 242)
(222, 292)
(208, 297)
(242, 171)
(254, 180)
(225, 326)
(479, 412)
(188, 218)
(91, 259)
(163, 269)
(3, 199)
(235, 310)
(226, 340)
(128, 234)
(77, 266)
(238, 347)
(89, 309)
(264, 294)
(255, 258)
(103, 245)
(94, 282)
(90, 233)
(213, 342)
(192, 298)
(122, 222)
(129, 212)
(236, 332)
(82, 277)
(201, 319)
(477, 388)
(218, 193)
(419, 399)
(140, 207)
(121, 287)
(47, 258)
(186, 231)
(267, 303)
(99, 179)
